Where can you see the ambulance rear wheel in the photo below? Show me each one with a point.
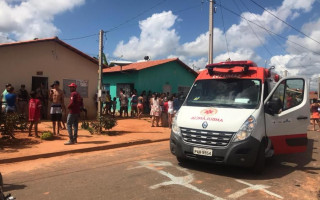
(1, 182)
(259, 165)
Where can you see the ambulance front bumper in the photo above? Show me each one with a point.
(242, 153)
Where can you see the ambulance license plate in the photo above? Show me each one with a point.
(202, 152)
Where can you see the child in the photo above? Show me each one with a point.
(114, 105)
(315, 114)
(34, 113)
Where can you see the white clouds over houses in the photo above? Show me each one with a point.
(158, 38)
(27, 19)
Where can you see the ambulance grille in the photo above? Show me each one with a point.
(204, 137)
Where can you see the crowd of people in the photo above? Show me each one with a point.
(32, 107)
(314, 111)
(160, 106)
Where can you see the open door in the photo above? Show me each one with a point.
(287, 113)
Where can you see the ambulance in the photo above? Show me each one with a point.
(237, 113)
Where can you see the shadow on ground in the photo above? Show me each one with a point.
(118, 133)
(10, 187)
(18, 143)
(276, 167)
(93, 142)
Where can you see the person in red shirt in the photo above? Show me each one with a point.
(34, 113)
(74, 113)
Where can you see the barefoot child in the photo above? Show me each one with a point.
(34, 113)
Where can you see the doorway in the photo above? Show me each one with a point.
(42, 93)
(36, 82)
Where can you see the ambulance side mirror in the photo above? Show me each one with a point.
(273, 106)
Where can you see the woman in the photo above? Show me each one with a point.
(314, 113)
(155, 110)
(140, 106)
(170, 111)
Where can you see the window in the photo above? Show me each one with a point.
(82, 87)
(290, 92)
(238, 93)
(106, 87)
(127, 87)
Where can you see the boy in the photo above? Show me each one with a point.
(114, 105)
(34, 113)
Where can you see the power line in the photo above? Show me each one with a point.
(138, 15)
(269, 30)
(78, 38)
(285, 22)
(260, 24)
(256, 35)
(131, 19)
(271, 35)
(225, 33)
(188, 8)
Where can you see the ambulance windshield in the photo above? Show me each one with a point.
(237, 93)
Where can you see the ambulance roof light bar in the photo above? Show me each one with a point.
(231, 64)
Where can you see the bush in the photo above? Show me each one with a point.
(47, 135)
(85, 125)
(10, 122)
(107, 123)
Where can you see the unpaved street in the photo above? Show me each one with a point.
(151, 172)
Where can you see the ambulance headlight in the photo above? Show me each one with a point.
(245, 130)
(175, 127)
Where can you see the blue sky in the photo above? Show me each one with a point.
(176, 28)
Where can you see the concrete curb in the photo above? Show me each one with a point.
(84, 150)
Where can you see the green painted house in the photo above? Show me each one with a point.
(162, 76)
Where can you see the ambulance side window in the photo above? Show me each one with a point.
(293, 93)
(290, 92)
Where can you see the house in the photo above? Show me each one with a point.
(313, 95)
(164, 76)
(46, 60)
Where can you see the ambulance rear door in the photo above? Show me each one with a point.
(287, 115)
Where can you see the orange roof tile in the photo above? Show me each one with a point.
(313, 95)
(145, 64)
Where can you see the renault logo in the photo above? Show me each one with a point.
(205, 124)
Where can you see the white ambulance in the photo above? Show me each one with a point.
(237, 113)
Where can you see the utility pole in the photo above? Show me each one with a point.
(211, 12)
(100, 73)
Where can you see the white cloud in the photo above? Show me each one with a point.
(312, 29)
(240, 54)
(302, 61)
(305, 64)
(199, 47)
(27, 19)
(240, 35)
(157, 38)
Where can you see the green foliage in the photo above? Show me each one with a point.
(47, 135)
(85, 125)
(107, 123)
(10, 122)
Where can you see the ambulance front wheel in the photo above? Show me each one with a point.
(181, 159)
(259, 165)
(1, 181)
